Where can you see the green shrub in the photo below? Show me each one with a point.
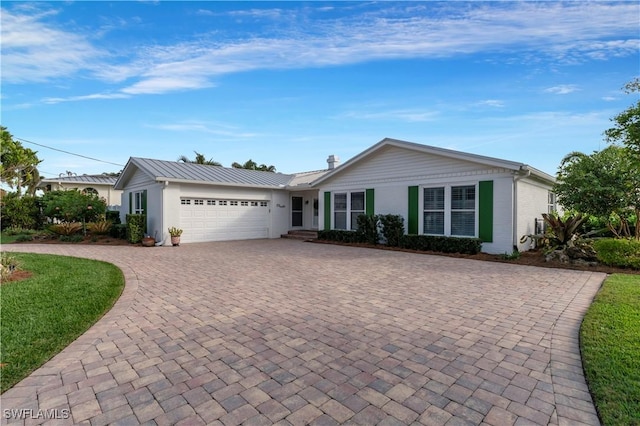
(618, 252)
(119, 231)
(113, 216)
(23, 238)
(340, 236)
(136, 227)
(20, 212)
(368, 229)
(76, 238)
(441, 244)
(73, 206)
(392, 228)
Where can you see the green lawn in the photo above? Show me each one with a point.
(610, 344)
(43, 314)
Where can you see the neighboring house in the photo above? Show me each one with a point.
(437, 191)
(101, 185)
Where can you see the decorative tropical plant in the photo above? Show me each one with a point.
(175, 232)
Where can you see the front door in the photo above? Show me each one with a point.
(296, 211)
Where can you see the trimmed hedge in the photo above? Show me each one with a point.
(441, 244)
(618, 252)
(136, 227)
(341, 236)
(392, 228)
(411, 242)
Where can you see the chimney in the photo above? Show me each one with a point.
(333, 162)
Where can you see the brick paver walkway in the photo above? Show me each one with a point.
(286, 332)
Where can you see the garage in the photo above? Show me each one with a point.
(205, 219)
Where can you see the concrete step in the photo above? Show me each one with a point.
(301, 235)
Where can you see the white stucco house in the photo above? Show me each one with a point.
(437, 191)
(101, 185)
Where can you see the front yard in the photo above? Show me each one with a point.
(44, 313)
(610, 346)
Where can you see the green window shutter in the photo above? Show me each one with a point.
(144, 202)
(327, 210)
(485, 211)
(369, 202)
(413, 213)
(130, 202)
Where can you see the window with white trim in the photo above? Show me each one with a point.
(433, 214)
(347, 206)
(222, 203)
(244, 203)
(138, 203)
(185, 202)
(198, 202)
(551, 203)
(211, 202)
(463, 211)
(233, 203)
(450, 210)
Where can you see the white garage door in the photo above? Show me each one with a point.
(218, 219)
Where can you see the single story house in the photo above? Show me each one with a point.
(101, 185)
(437, 191)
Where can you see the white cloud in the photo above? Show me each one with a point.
(34, 51)
(495, 103)
(566, 32)
(563, 89)
(219, 129)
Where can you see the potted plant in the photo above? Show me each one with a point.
(175, 235)
(148, 241)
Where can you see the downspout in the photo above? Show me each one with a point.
(162, 224)
(517, 176)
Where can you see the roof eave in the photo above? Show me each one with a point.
(161, 179)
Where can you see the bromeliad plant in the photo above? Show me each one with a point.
(563, 239)
(559, 233)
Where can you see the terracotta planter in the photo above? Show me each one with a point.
(148, 242)
(175, 241)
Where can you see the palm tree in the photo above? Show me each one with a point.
(199, 159)
(252, 165)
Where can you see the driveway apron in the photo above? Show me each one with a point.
(285, 332)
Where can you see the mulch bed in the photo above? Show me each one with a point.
(530, 258)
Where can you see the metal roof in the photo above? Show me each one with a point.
(162, 170)
(83, 179)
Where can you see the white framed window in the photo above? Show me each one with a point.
(185, 202)
(222, 203)
(138, 203)
(211, 202)
(254, 204)
(463, 211)
(198, 202)
(244, 203)
(233, 203)
(552, 205)
(347, 206)
(450, 210)
(433, 211)
(264, 203)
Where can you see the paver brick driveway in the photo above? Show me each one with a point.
(280, 331)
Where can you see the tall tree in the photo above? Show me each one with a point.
(605, 184)
(626, 127)
(252, 165)
(19, 165)
(199, 159)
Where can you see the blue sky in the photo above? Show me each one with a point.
(288, 83)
